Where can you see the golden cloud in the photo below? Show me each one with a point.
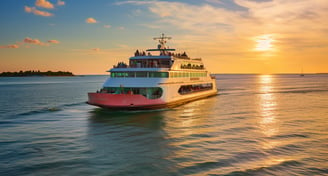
(37, 12)
(96, 49)
(44, 4)
(53, 41)
(29, 41)
(91, 20)
(10, 46)
(282, 19)
(60, 3)
(33, 41)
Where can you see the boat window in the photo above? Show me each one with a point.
(172, 75)
(119, 74)
(131, 74)
(149, 92)
(150, 63)
(188, 65)
(165, 63)
(154, 93)
(159, 74)
(141, 74)
(187, 89)
(187, 74)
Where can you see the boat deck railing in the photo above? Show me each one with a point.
(142, 66)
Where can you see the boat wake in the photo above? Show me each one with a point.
(50, 109)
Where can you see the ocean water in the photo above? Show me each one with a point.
(257, 125)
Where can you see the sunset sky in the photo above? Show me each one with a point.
(231, 36)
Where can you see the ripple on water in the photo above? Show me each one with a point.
(251, 128)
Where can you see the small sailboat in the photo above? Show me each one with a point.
(302, 74)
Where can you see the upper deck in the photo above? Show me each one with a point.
(161, 58)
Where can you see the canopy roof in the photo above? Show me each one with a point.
(160, 50)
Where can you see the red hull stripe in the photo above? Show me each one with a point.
(121, 100)
(134, 102)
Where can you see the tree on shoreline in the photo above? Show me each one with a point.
(35, 73)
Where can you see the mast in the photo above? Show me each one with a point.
(162, 41)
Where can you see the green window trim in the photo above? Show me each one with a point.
(140, 74)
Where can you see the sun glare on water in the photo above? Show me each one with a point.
(264, 43)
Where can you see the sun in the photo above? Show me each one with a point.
(264, 43)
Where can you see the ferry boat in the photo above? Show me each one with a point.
(157, 78)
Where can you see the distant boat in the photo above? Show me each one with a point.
(302, 74)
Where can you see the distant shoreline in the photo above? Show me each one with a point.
(32, 73)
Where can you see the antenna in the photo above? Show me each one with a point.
(162, 39)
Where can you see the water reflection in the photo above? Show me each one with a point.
(189, 115)
(268, 121)
(189, 128)
(158, 142)
(147, 119)
(189, 118)
(128, 143)
(267, 106)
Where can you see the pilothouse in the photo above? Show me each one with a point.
(155, 78)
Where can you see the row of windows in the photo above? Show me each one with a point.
(192, 66)
(140, 74)
(155, 92)
(187, 74)
(186, 89)
(150, 63)
(150, 92)
(157, 74)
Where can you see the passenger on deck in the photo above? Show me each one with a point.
(121, 65)
(137, 53)
(155, 64)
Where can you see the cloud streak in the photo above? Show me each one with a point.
(37, 12)
(53, 41)
(27, 41)
(279, 18)
(44, 4)
(92, 51)
(107, 26)
(230, 32)
(10, 46)
(33, 41)
(60, 3)
(96, 49)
